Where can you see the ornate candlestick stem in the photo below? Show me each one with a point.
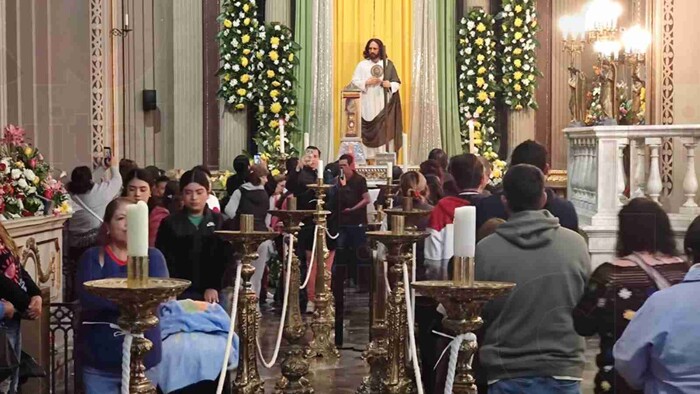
(323, 344)
(394, 374)
(294, 367)
(248, 319)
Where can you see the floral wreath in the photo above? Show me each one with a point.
(237, 47)
(476, 60)
(276, 98)
(519, 79)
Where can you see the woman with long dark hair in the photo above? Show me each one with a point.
(647, 261)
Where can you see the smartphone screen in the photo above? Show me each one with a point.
(256, 159)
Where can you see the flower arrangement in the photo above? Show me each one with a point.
(476, 59)
(237, 51)
(25, 179)
(519, 70)
(594, 114)
(276, 99)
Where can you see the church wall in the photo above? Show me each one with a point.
(47, 61)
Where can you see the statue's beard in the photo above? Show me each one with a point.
(373, 57)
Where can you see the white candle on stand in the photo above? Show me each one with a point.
(389, 170)
(282, 136)
(465, 231)
(137, 229)
(126, 20)
(306, 140)
(471, 135)
(319, 170)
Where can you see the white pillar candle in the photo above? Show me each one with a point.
(465, 231)
(281, 136)
(405, 151)
(137, 229)
(126, 20)
(319, 170)
(306, 140)
(389, 169)
(471, 135)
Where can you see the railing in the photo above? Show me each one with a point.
(63, 368)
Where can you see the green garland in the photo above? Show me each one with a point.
(519, 79)
(476, 59)
(237, 50)
(276, 98)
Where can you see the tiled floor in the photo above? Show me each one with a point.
(344, 375)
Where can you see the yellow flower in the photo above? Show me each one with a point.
(273, 125)
(480, 58)
(518, 22)
(245, 78)
(270, 74)
(517, 51)
(629, 314)
(482, 96)
(477, 134)
(36, 180)
(492, 94)
(517, 87)
(518, 107)
(228, 24)
(245, 38)
(227, 77)
(531, 77)
(291, 113)
(246, 7)
(259, 55)
(605, 385)
(276, 84)
(244, 61)
(274, 93)
(479, 110)
(534, 24)
(480, 27)
(478, 142)
(276, 144)
(479, 41)
(518, 35)
(264, 157)
(480, 82)
(518, 8)
(28, 151)
(246, 21)
(241, 92)
(477, 124)
(517, 75)
(517, 63)
(276, 108)
(290, 57)
(275, 40)
(240, 106)
(273, 55)
(246, 51)
(461, 94)
(65, 207)
(481, 70)
(496, 173)
(275, 172)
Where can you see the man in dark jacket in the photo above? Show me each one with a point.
(533, 153)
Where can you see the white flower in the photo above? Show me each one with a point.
(29, 174)
(227, 66)
(236, 67)
(22, 183)
(31, 190)
(526, 67)
(236, 23)
(470, 100)
(624, 293)
(16, 173)
(471, 25)
(277, 27)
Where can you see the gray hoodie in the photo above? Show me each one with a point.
(530, 332)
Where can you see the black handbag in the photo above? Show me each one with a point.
(8, 357)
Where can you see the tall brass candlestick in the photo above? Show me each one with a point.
(323, 344)
(248, 378)
(294, 367)
(396, 375)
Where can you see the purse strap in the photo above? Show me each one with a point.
(659, 280)
(85, 207)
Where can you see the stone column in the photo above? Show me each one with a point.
(188, 77)
(279, 11)
(3, 66)
(521, 127)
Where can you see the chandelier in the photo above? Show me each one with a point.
(597, 26)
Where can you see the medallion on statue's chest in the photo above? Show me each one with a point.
(377, 71)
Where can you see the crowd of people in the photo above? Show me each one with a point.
(641, 304)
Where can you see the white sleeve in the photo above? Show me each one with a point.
(232, 206)
(358, 79)
(395, 87)
(110, 189)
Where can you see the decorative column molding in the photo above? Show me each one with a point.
(97, 91)
(3, 65)
(320, 120)
(279, 11)
(521, 127)
(188, 77)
